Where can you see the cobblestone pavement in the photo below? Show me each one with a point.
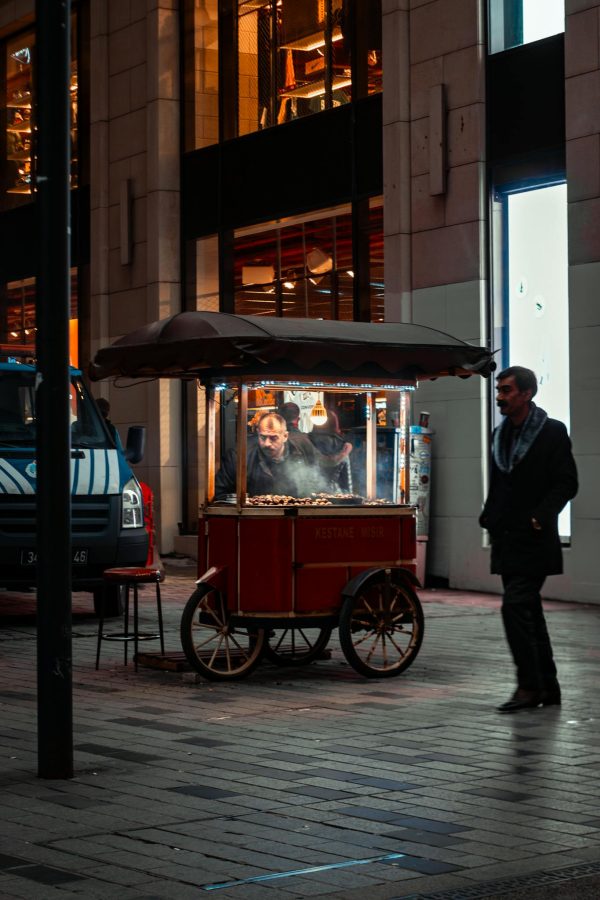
(409, 787)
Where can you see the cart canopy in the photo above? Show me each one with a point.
(208, 344)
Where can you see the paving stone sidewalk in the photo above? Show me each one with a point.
(409, 787)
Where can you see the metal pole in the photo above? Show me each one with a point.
(55, 701)
(371, 445)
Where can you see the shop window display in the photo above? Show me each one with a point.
(18, 133)
(303, 267)
(18, 324)
(253, 64)
(294, 58)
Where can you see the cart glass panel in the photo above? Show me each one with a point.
(284, 444)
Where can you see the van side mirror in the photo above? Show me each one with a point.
(136, 443)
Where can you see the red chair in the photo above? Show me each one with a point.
(131, 577)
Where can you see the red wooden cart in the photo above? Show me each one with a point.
(278, 573)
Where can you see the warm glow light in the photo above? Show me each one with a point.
(318, 414)
(290, 285)
(308, 91)
(313, 43)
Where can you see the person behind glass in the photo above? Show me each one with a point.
(328, 440)
(329, 456)
(275, 465)
(104, 407)
(533, 477)
(291, 413)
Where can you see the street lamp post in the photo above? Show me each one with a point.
(55, 704)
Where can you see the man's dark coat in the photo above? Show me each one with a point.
(538, 487)
(295, 475)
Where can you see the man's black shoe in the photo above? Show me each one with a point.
(524, 699)
(551, 698)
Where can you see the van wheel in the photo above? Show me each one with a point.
(114, 604)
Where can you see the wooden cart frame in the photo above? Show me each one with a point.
(274, 582)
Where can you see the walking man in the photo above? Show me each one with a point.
(533, 477)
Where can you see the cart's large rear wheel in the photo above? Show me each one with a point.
(211, 644)
(296, 646)
(381, 627)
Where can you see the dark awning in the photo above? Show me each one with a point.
(208, 344)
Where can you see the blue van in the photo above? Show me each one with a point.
(107, 510)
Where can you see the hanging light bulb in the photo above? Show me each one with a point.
(318, 414)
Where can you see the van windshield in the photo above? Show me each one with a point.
(18, 418)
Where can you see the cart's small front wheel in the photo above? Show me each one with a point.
(296, 646)
(211, 644)
(381, 627)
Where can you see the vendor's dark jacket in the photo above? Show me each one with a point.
(538, 487)
(293, 476)
(329, 445)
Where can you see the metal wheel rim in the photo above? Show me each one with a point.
(384, 630)
(218, 646)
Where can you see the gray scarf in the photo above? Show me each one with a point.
(508, 453)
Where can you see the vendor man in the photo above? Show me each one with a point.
(275, 465)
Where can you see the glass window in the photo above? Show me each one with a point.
(201, 61)
(344, 271)
(18, 412)
(293, 60)
(373, 60)
(317, 438)
(16, 114)
(303, 267)
(17, 320)
(533, 322)
(207, 274)
(256, 270)
(376, 279)
(258, 63)
(18, 110)
(516, 22)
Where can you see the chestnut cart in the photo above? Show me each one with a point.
(277, 573)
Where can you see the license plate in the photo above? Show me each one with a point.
(29, 557)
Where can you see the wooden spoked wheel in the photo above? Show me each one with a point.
(213, 647)
(381, 627)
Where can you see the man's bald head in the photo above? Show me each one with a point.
(272, 435)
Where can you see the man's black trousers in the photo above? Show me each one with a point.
(526, 632)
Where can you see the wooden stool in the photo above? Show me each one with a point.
(128, 577)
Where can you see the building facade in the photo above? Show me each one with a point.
(433, 161)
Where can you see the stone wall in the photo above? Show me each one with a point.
(435, 233)
(582, 73)
(135, 216)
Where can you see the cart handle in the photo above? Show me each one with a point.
(216, 576)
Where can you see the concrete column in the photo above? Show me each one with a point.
(396, 160)
(135, 229)
(582, 96)
(163, 258)
(435, 240)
